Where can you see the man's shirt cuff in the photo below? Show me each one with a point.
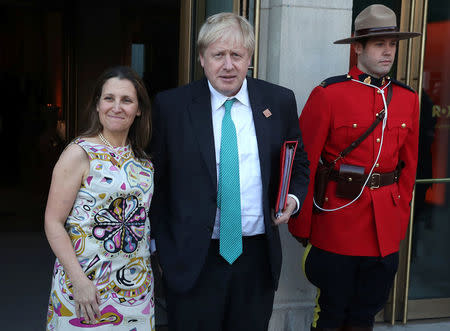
(296, 200)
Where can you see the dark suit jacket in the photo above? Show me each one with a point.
(184, 204)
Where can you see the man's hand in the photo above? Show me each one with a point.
(291, 205)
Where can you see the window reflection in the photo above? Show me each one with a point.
(435, 117)
(430, 270)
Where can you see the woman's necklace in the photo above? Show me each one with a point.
(105, 141)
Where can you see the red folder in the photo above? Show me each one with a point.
(286, 160)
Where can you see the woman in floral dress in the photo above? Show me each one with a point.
(96, 217)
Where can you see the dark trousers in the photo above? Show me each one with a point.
(227, 297)
(351, 290)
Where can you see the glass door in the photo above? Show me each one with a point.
(33, 116)
(422, 287)
(429, 280)
(192, 15)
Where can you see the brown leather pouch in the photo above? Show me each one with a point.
(320, 184)
(350, 181)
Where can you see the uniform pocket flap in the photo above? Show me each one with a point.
(340, 122)
(400, 123)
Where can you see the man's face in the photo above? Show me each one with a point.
(377, 57)
(226, 63)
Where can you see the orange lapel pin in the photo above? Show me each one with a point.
(267, 113)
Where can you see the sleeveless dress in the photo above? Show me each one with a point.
(110, 232)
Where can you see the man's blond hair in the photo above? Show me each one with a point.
(228, 26)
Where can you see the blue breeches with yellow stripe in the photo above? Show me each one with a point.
(351, 290)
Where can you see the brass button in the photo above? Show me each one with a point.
(398, 196)
(387, 77)
(379, 91)
(348, 76)
(326, 199)
(355, 125)
(378, 140)
(377, 165)
(376, 114)
(350, 179)
(403, 125)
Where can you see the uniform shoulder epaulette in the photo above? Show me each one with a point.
(334, 80)
(396, 82)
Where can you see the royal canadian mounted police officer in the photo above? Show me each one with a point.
(363, 128)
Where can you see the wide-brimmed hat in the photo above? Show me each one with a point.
(376, 21)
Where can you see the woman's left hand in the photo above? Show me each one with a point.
(86, 299)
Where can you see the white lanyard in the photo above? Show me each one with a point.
(383, 125)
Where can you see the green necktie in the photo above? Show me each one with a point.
(229, 191)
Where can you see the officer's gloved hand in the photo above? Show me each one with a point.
(303, 241)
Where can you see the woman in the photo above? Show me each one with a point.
(96, 217)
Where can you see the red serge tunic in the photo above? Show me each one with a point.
(334, 116)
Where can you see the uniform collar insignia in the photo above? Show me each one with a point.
(372, 80)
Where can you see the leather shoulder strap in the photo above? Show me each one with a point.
(372, 127)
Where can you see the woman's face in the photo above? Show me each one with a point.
(118, 105)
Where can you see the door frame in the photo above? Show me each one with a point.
(411, 55)
(192, 15)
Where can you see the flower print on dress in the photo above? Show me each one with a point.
(121, 226)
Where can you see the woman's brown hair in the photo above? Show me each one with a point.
(141, 129)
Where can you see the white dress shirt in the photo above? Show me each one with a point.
(252, 216)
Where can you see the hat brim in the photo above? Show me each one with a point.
(393, 34)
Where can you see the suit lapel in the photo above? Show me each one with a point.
(262, 128)
(201, 120)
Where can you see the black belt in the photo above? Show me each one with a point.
(376, 180)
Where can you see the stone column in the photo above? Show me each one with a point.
(296, 42)
(297, 51)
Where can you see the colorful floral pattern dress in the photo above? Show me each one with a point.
(110, 232)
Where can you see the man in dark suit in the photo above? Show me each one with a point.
(216, 148)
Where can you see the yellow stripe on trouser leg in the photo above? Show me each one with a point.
(316, 310)
(317, 307)
(305, 256)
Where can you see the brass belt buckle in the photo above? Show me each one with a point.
(375, 181)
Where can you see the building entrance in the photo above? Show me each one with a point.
(51, 54)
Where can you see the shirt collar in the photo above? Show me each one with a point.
(357, 74)
(218, 99)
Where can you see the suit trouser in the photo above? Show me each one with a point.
(351, 290)
(227, 297)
